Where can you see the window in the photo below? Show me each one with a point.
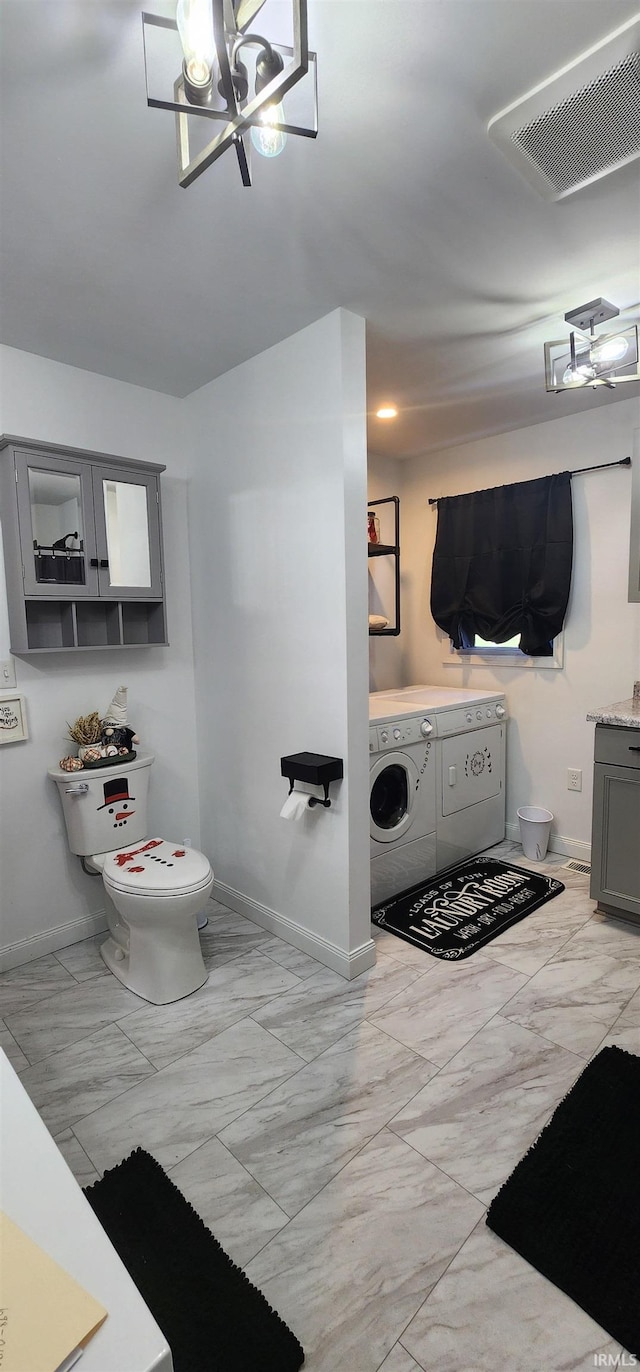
(502, 570)
(488, 654)
(487, 645)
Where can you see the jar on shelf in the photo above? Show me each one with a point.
(373, 528)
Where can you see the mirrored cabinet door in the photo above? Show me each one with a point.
(56, 528)
(128, 533)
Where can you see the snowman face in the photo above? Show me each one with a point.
(119, 806)
(120, 814)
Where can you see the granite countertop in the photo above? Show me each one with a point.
(625, 712)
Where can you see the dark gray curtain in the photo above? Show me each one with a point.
(502, 564)
(55, 567)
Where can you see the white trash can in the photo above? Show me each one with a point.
(535, 827)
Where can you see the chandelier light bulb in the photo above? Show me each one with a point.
(609, 350)
(266, 139)
(195, 27)
(386, 412)
(579, 375)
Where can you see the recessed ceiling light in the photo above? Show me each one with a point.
(386, 412)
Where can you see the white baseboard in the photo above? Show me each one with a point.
(558, 843)
(28, 949)
(348, 965)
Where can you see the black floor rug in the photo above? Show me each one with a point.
(455, 913)
(211, 1315)
(572, 1206)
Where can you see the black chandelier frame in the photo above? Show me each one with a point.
(239, 114)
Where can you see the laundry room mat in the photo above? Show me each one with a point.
(571, 1207)
(457, 912)
(211, 1315)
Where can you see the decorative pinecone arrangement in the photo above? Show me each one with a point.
(101, 741)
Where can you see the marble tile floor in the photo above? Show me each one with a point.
(343, 1140)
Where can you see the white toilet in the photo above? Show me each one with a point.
(153, 888)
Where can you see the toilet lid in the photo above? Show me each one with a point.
(156, 867)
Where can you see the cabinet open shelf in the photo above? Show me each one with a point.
(58, 624)
(49, 624)
(143, 623)
(389, 550)
(97, 624)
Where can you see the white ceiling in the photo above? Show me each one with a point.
(402, 210)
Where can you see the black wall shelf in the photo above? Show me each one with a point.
(389, 550)
(381, 549)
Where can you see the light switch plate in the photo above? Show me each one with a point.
(7, 674)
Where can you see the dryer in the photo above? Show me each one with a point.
(466, 783)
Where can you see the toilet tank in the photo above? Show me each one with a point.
(104, 807)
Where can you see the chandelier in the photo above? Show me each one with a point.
(217, 73)
(590, 359)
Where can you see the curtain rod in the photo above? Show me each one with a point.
(622, 462)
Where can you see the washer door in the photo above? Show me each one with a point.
(393, 781)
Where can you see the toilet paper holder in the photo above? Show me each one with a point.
(315, 768)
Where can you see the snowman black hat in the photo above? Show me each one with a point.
(116, 791)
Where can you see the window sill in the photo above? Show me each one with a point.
(501, 657)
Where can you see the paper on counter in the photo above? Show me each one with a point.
(45, 1316)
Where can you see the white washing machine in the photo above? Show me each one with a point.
(402, 796)
(458, 807)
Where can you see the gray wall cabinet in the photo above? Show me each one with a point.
(615, 841)
(82, 536)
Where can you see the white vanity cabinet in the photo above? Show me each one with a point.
(82, 536)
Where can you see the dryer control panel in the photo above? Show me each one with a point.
(464, 719)
(399, 732)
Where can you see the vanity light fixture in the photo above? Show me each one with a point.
(223, 71)
(590, 359)
(387, 412)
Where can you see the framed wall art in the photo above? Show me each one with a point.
(13, 719)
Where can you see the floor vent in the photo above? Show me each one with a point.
(580, 124)
(577, 865)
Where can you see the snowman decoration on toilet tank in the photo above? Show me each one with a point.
(118, 804)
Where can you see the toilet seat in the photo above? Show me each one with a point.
(177, 889)
(156, 867)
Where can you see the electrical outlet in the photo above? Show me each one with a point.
(574, 778)
(7, 674)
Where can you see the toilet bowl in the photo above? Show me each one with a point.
(153, 899)
(153, 888)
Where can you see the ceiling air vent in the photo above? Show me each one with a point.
(580, 124)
